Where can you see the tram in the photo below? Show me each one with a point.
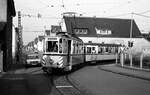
(101, 52)
(64, 50)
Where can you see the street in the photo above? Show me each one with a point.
(88, 80)
(99, 82)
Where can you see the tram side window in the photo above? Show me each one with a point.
(106, 49)
(100, 49)
(65, 46)
(116, 49)
(88, 50)
(103, 50)
(80, 48)
(109, 49)
(113, 50)
(60, 45)
(52, 46)
(77, 48)
(74, 47)
(93, 50)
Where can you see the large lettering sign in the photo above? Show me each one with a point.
(3, 10)
(103, 31)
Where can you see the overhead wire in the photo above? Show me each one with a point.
(114, 7)
(118, 15)
(145, 12)
(141, 15)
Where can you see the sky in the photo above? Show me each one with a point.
(51, 13)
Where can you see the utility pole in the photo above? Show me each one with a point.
(20, 42)
(131, 42)
(131, 25)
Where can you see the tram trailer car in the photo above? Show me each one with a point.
(63, 51)
(95, 52)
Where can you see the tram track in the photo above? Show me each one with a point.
(62, 83)
(66, 87)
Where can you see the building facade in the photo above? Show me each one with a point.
(7, 12)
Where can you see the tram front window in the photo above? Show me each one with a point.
(52, 46)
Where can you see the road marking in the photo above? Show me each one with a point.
(63, 86)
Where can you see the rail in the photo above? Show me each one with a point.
(66, 87)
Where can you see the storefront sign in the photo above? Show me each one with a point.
(103, 31)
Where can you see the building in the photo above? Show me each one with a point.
(109, 31)
(105, 30)
(7, 12)
(39, 43)
(146, 36)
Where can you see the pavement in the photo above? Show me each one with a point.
(103, 80)
(132, 72)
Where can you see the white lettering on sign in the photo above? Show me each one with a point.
(103, 31)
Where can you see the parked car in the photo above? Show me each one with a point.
(33, 60)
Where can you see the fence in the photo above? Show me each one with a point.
(139, 60)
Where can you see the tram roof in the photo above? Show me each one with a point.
(65, 35)
(118, 27)
(70, 36)
(103, 44)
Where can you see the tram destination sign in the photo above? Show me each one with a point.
(52, 38)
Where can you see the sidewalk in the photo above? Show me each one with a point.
(16, 70)
(126, 71)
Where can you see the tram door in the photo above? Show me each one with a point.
(69, 58)
(93, 53)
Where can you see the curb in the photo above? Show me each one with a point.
(126, 74)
